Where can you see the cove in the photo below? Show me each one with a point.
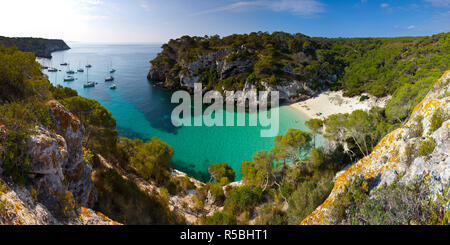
(143, 111)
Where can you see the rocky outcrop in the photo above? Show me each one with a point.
(398, 153)
(76, 171)
(225, 64)
(192, 70)
(59, 189)
(40, 46)
(57, 159)
(19, 207)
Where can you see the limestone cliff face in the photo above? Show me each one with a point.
(58, 172)
(192, 71)
(390, 158)
(19, 207)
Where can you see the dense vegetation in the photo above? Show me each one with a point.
(25, 91)
(22, 105)
(281, 186)
(279, 193)
(403, 67)
(395, 204)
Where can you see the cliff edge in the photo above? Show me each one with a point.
(403, 153)
(59, 188)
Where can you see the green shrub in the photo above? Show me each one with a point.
(410, 150)
(68, 205)
(437, 119)
(363, 98)
(220, 218)
(396, 204)
(427, 147)
(218, 193)
(123, 201)
(242, 199)
(151, 160)
(221, 170)
(417, 127)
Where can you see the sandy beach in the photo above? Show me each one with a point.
(333, 102)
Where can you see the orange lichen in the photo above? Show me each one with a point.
(66, 118)
(368, 166)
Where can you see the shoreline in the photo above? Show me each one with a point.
(333, 102)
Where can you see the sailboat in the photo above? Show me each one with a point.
(112, 70)
(109, 78)
(88, 65)
(88, 84)
(51, 68)
(63, 63)
(80, 69)
(69, 79)
(69, 71)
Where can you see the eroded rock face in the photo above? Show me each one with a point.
(21, 208)
(397, 154)
(57, 160)
(76, 171)
(48, 152)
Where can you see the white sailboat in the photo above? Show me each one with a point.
(109, 78)
(88, 84)
(80, 69)
(69, 71)
(111, 70)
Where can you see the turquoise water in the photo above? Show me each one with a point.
(143, 111)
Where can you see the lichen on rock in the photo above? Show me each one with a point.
(393, 158)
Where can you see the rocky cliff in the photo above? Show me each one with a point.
(218, 62)
(59, 189)
(237, 67)
(40, 46)
(401, 153)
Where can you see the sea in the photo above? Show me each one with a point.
(144, 111)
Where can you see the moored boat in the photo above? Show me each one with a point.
(69, 79)
(89, 85)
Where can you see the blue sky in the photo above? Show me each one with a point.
(160, 20)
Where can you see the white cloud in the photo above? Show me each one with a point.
(145, 5)
(439, 3)
(69, 19)
(92, 2)
(302, 8)
(384, 5)
(411, 27)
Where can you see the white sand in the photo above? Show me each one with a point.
(329, 103)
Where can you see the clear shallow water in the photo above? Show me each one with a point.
(142, 111)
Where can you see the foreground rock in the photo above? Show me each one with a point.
(59, 189)
(19, 207)
(397, 155)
